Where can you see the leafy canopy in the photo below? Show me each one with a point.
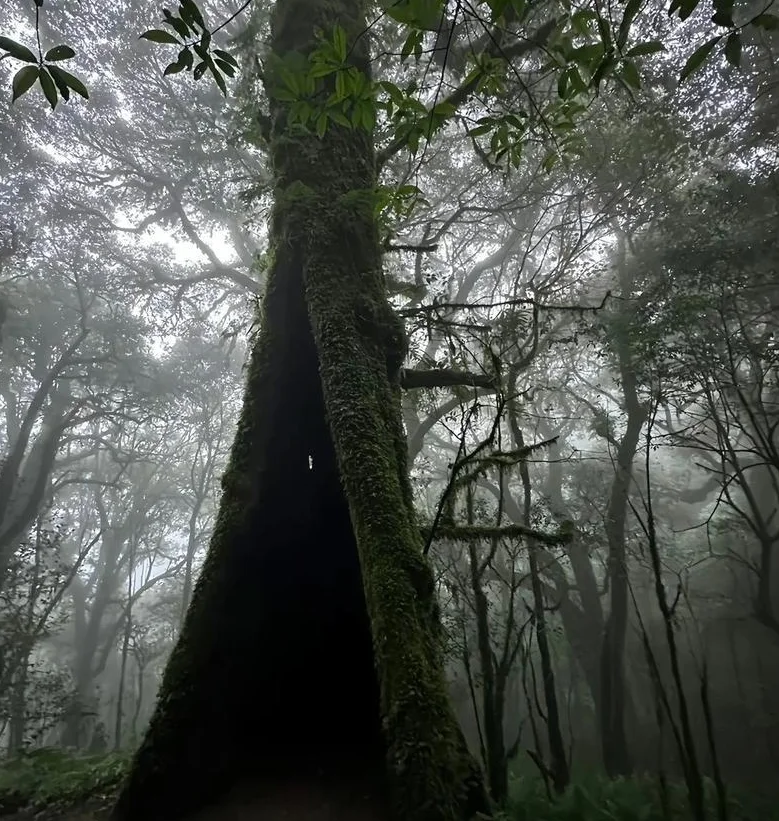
(581, 47)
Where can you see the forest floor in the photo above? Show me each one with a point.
(92, 810)
(353, 799)
(295, 800)
(52, 785)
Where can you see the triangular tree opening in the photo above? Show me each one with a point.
(274, 675)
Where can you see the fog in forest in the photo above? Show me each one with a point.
(587, 269)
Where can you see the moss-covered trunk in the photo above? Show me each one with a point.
(281, 670)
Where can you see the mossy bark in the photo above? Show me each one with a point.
(325, 185)
(281, 668)
(272, 674)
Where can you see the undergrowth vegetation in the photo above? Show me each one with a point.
(597, 798)
(51, 779)
(48, 778)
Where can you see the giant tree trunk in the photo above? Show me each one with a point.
(282, 675)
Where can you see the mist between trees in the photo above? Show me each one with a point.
(559, 571)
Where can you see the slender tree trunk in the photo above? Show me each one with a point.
(125, 652)
(559, 769)
(616, 756)
(492, 674)
(582, 621)
(312, 645)
(82, 704)
(616, 753)
(17, 724)
(140, 676)
(493, 690)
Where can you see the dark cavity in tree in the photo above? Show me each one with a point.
(273, 678)
(321, 702)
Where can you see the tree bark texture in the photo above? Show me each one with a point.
(312, 646)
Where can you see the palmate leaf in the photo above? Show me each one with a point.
(49, 87)
(159, 36)
(228, 69)
(220, 81)
(698, 57)
(176, 23)
(17, 50)
(65, 78)
(226, 56)
(59, 53)
(23, 81)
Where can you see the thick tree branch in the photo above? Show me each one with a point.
(444, 378)
(467, 533)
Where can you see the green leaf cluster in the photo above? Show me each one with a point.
(190, 32)
(54, 81)
(411, 120)
(423, 15)
(723, 16)
(506, 137)
(583, 47)
(588, 49)
(323, 89)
